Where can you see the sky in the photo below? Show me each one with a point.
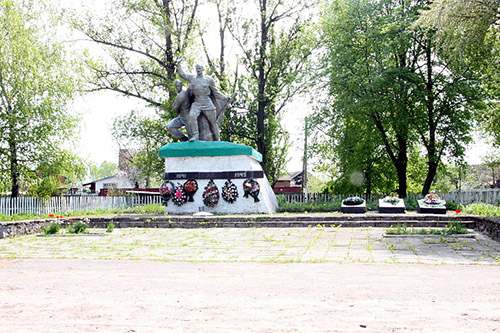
(99, 109)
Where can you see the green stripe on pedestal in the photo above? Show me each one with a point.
(207, 148)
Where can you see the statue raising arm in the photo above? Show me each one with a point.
(180, 71)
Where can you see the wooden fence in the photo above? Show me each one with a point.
(32, 205)
(489, 196)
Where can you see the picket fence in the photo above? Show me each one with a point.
(31, 205)
(489, 196)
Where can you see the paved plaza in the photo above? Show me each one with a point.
(313, 244)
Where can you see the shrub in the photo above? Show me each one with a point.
(450, 205)
(483, 209)
(51, 228)
(77, 228)
(111, 227)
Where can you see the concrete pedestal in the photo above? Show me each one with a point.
(429, 209)
(387, 207)
(217, 161)
(353, 209)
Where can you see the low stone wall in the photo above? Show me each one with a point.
(16, 228)
(489, 226)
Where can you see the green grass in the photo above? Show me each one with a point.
(452, 228)
(140, 210)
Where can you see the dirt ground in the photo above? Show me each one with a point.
(62, 295)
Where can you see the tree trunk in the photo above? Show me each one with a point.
(14, 169)
(262, 100)
(401, 168)
(431, 174)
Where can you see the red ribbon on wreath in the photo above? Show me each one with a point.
(190, 187)
(179, 197)
(251, 187)
(166, 191)
(229, 192)
(211, 194)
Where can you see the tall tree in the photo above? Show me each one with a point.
(467, 33)
(368, 64)
(143, 39)
(383, 71)
(276, 50)
(35, 86)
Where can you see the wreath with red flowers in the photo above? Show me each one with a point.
(211, 194)
(179, 197)
(251, 187)
(166, 191)
(190, 187)
(229, 192)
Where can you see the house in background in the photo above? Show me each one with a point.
(289, 184)
(102, 186)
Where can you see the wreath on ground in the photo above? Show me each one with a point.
(229, 192)
(251, 187)
(179, 196)
(211, 194)
(166, 191)
(190, 187)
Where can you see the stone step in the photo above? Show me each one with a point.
(270, 223)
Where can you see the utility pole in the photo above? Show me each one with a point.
(304, 158)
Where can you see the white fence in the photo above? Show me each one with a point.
(31, 205)
(489, 196)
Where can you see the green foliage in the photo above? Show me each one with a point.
(467, 31)
(36, 82)
(55, 175)
(452, 228)
(51, 228)
(390, 93)
(277, 45)
(149, 209)
(110, 227)
(483, 209)
(77, 227)
(105, 169)
(317, 206)
(147, 134)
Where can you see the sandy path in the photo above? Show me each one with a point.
(142, 296)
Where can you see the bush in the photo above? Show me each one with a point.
(51, 229)
(483, 209)
(450, 205)
(111, 227)
(77, 228)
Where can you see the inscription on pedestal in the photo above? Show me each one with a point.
(213, 175)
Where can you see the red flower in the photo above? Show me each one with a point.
(51, 215)
(458, 211)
